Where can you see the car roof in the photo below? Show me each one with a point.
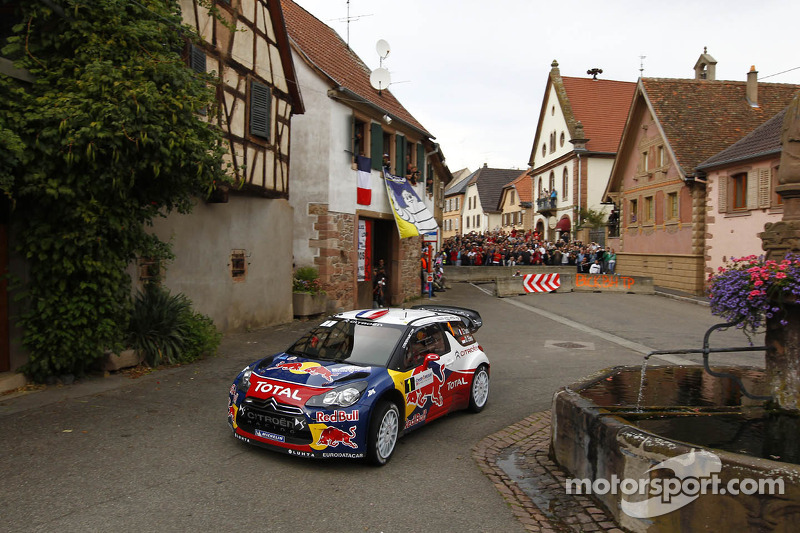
(401, 317)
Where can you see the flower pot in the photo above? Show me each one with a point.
(307, 304)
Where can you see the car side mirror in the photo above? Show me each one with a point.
(431, 357)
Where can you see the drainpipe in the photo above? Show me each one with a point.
(578, 199)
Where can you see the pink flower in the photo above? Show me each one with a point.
(758, 283)
(780, 275)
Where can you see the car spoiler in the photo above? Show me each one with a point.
(471, 318)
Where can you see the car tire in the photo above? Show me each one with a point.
(479, 389)
(384, 429)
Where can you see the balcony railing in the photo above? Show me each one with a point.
(546, 204)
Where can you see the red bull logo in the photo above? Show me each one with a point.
(333, 437)
(424, 385)
(337, 416)
(313, 369)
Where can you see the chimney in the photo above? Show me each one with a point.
(752, 87)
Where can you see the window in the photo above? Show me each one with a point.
(512, 196)
(561, 139)
(458, 201)
(553, 142)
(739, 185)
(634, 210)
(238, 265)
(359, 137)
(477, 221)
(643, 163)
(565, 185)
(197, 59)
(648, 209)
(426, 340)
(672, 206)
(540, 188)
(552, 181)
(662, 161)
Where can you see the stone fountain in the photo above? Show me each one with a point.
(683, 449)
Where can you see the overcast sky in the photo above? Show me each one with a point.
(473, 72)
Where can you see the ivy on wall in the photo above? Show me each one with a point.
(114, 131)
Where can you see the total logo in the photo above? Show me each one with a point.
(460, 382)
(337, 416)
(277, 390)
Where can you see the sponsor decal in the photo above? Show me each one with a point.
(275, 420)
(343, 455)
(332, 437)
(466, 351)
(315, 369)
(337, 416)
(460, 382)
(370, 392)
(270, 436)
(300, 453)
(418, 418)
(277, 390)
(233, 390)
(423, 385)
(242, 438)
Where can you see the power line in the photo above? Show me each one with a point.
(778, 73)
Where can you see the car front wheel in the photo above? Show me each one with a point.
(479, 390)
(384, 427)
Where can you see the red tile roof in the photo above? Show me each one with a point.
(327, 53)
(524, 186)
(602, 107)
(703, 117)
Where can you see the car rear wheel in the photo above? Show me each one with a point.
(479, 390)
(384, 428)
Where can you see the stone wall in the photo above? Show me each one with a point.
(336, 255)
(672, 271)
(410, 269)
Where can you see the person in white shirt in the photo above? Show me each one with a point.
(595, 268)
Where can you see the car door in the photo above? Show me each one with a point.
(427, 357)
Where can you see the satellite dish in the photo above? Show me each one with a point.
(383, 48)
(380, 78)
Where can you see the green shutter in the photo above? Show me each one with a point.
(421, 166)
(260, 104)
(376, 148)
(400, 155)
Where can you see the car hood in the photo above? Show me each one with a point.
(311, 372)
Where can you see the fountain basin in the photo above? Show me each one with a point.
(692, 428)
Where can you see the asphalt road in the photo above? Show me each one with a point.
(155, 453)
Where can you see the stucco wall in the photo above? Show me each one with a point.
(202, 243)
(731, 235)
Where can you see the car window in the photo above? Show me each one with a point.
(354, 342)
(460, 332)
(425, 340)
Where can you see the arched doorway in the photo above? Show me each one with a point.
(564, 227)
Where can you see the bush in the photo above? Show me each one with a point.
(306, 279)
(165, 330)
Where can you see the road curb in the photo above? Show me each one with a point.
(530, 438)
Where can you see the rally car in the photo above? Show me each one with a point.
(361, 379)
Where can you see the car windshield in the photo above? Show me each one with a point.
(357, 342)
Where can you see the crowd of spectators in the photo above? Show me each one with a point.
(499, 248)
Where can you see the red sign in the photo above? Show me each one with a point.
(541, 282)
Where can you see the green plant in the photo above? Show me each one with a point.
(107, 137)
(306, 279)
(165, 330)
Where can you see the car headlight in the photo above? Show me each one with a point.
(343, 396)
(244, 383)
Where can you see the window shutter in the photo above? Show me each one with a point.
(197, 59)
(764, 182)
(400, 155)
(421, 166)
(752, 189)
(376, 145)
(723, 193)
(260, 103)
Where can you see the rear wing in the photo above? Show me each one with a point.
(471, 318)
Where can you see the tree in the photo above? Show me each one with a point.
(114, 131)
(592, 218)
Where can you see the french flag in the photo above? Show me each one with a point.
(364, 191)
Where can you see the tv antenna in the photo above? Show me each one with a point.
(641, 65)
(348, 19)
